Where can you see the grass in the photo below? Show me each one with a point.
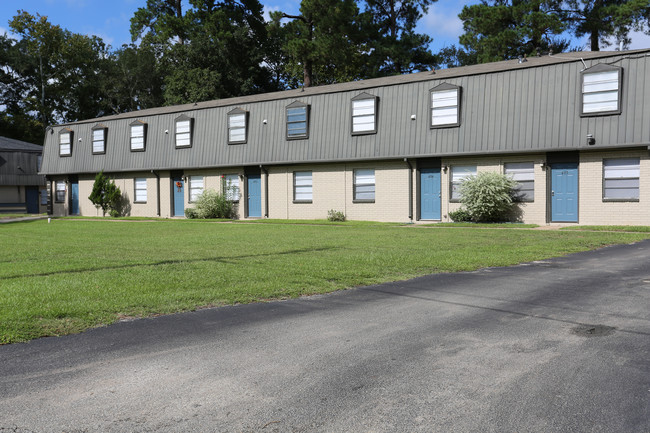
(631, 229)
(71, 275)
(484, 225)
(20, 215)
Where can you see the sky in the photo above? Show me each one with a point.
(110, 19)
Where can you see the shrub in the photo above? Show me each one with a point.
(334, 215)
(488, 197)
(460, 216)
(211, 204)
(106, 195)
(191, 213)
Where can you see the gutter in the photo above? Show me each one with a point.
(266, 191)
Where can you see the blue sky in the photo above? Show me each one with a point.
(110, 19)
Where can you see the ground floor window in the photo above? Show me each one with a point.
(196, 187)
(140, 186)
(60, 191)
(302, 186)
(364, 185)
(458, 174)
(231, 187)
(524, 174)
(621, 179)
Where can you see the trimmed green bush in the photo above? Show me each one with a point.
(191, 213)
(488, 196)
(211, 204)
(335, 216)
(460, 216)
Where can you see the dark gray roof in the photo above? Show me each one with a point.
(485, 68)
(12, 145)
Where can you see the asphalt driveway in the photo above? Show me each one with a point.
(555, 346)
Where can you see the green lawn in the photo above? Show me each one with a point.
(70, 275)
(632, 229)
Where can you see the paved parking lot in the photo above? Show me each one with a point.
(555, 346)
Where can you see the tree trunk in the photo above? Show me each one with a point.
(594, 37)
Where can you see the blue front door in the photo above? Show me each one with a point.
(74, 198)
(179, 196)
(564, 192)
(254, 189)
(31, 199)
(430, 194)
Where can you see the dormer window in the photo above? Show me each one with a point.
(65, 142)
(138, 136)
(297, 120)
(601, 90)
(364, 114)
(183, 133)
(445, 104)
(237, 126)
(99, 139)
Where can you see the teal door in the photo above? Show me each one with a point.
(178, 195)
(564, 192)
(254, 189)
(430, 194)
(74, 198)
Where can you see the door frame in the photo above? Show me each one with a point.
(426, 163)
(420, 191)
(174, 176)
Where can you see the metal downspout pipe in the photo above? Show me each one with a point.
(157, 192)
(410, 188)
(266, 191)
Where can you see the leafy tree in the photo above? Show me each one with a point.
(603, 20)
(396, 47)
(488, 196)
(106, 195)
(506, 29)
(324, 43)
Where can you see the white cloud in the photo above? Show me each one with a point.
(639, 40)
(442, 24)
(267, 12)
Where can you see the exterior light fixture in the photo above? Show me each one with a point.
(413, 117)
(591, 140)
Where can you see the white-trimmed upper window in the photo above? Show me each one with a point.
(183, 134)
(458, 174)
(621, 179)
(231, 187)
(445, 103)
(59, 192)
(601, 90)
(237, 126)
(302, 186)
(364, 114)
(140, 187)
(138, 137)
(65, 142)
(99, 139)
(364, 185)
(524, 174)
(196, 187)
(297, 120)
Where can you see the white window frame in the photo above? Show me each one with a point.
(231, 187)
(303, 191)
(293, 121)
(458, 173)
(363, 109)
(138, 136)
(364, 186)
(65, 142)
(237, 126)
(622, 179)
(445, 106)
(99, 136)
(59, 188)
(524, 174)
(601, 90)
(140, 190)
(197, 185)
(183, 129)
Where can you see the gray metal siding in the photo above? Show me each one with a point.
(518, 110)
(20, 168)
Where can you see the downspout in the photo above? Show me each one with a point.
(266, 191)
(157, 192)
(410, 189)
